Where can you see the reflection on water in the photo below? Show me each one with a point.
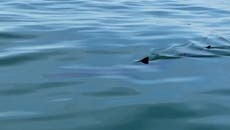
(69, 65)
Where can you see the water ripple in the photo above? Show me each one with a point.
(72, 64)
(27, 88)
(117, 91)
(17, 114)
(10, 36)
(210, 48)
(17, 55)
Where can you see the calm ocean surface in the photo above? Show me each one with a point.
(71, 65)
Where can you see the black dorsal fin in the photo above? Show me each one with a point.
(209, 46)
(145, 60)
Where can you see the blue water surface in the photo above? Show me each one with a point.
(71, 65)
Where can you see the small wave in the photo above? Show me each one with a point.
(17, 55)
(116, 91)
(27, 88)
(155, 81)
(10, 114)
(141, 116)
(117, 71)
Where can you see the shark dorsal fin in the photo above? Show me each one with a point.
(145, 60)
(208, 47)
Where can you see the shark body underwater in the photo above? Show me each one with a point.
(187, 50)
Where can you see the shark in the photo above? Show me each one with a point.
(187, 51)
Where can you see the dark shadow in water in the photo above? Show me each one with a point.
(116, 91)
(223, 92)
(9, 35)
(26, 88)
(163, 116)
(159, 116)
